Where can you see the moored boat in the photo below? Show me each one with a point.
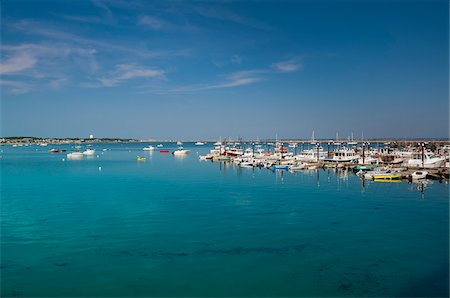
(75, 155)
(89, 152)
(181, 152)
(419, 175)
(388, 177)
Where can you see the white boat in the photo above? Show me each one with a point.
(218, 143)
(89, 152)
(298, 167)
(180, 152)
(344, 155)
(199, 143)
(419, 175)
(429, 161)
(310, 155)
(159, 145)
(43, 144)
(179, 143)
(75, 155)
(149, 148)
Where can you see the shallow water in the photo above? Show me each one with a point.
(173, 226)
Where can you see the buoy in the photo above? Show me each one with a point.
(63, 159)
(99, 169)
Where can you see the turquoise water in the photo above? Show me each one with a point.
(181, 227)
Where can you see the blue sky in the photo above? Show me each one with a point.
(195, 70)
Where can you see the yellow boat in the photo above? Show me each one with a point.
(141, 158)
(388, 177)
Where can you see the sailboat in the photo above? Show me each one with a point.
(313, 141)
(352, 142)
(337, 139)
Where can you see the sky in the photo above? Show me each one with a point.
(224, 69)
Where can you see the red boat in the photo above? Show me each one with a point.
(164, 151)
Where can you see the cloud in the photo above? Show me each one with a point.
(125, 72)
(152, 22)
(236, 59)
(17, 63)
(235, 79)
(31, 27)
(287, 66)
(57, 83)
(106, 11)
(82, 19)
(15, 87)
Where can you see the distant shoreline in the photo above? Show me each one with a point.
(59, 141)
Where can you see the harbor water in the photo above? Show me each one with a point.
(112, 226)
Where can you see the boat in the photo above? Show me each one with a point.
(344, 155)
(388, 177)
(363, 168)
(141, 158)
(89, 152)
(310, 155)
(419, 175)
(280, 167)
(149, 148)
(159, 145)
(233, 151)
(426, 160)
(43, 144)
(218, 143)
(298, 167)
(313, 141)
(164, 151)
(181, 152)
(75, 155)
(57, 150)
(199, 143)
(352, 142)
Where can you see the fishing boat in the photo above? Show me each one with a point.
(426, 160)
(417, 175)
(344, 155)
(199, 143)
(149, 148)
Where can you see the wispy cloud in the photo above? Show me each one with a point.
(152, 22)
(31, 27)
(104, 8)
(17, 63)
(81, 19)
(15, 87)
(125, 72)
(236, 79)
(287, 66)
(57, 83)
